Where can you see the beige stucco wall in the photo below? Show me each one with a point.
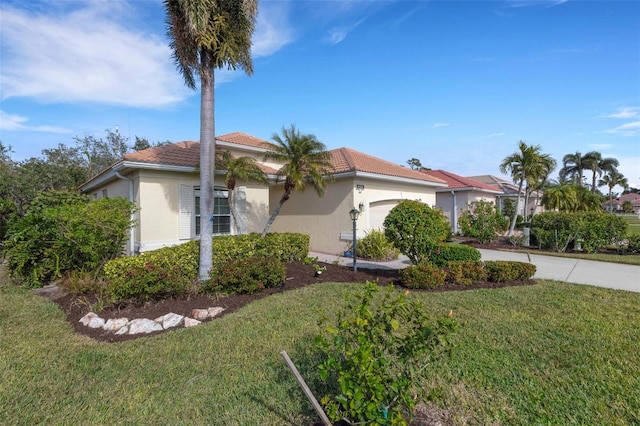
(326, 220)
(444, 202)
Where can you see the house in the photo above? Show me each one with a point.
(459, 193)
(510, 192)
(616, 203)
(163, 182)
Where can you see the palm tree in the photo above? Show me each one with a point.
(204, 35)
(562, 197)
(526, 163)
(598, 165)
(611, 179)
(541, 167)
(238, 169)
(304, 160)
(573, 167)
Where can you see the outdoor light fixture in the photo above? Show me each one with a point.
(360, 206)
(354, 213)
(360, 187)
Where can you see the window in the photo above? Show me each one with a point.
(221, 212)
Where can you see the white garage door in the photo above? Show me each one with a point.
(378, 211)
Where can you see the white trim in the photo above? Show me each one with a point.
(378, 176)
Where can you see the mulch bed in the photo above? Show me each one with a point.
(298, 275)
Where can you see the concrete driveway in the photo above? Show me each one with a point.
(577, 271)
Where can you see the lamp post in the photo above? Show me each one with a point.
(354, 213)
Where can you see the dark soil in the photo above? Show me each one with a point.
(298, 275)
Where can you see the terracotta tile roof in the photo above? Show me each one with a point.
(243, 139)
(455, 181)
(497, 182)
(349, 160)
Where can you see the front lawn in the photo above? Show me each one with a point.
(551, 353)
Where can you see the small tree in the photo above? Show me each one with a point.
(415, 229)
(482, 221)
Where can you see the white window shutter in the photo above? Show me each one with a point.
(185, 213)
(241, 208)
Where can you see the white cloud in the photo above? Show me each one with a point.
(630, 168)
(13, 122)
(273, 30)
(626, 112)
(338, 34)
(493, 135)
(86, 54)
(441, 124)
(627, 129)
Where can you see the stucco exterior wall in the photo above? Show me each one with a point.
(445, 202)
(327, 221)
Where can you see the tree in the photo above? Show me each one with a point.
(598, 165)
(204, 35)
(140, 144)
(561, 197)
(541, 167)
(612, 179)
(573, 166)
(238, 169)
(414, 163)
(527, 163)
(304, 160)
(99, 153)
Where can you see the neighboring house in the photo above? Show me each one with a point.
(617, 203)
(163, 182)
(459, 193)
(510, 191)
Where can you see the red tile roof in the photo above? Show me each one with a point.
(455, 181)
(344, 160)
(349, 160)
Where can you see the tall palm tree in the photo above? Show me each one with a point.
(573, 167)
(238, 169)
(304, 160)
(521, 165)
(562, 197)
(598, 165)
(541, 167)
(204, 35)
(612, 179)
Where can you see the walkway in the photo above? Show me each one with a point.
(578, 271)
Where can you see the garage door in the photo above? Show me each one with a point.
(378, 211)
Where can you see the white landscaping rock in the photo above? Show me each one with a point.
(200, 314)
(190, 322)
(215, 311)
(115, 324)
(123, 330)
(143, 325)
(92, 320)
(169, 320)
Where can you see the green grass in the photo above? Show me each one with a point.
(552, 353)
(634, 223)
(627, 259)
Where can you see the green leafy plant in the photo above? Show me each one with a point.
(374, 353)
(445, 253)
(415, 229)
(465, 272)
(247, 276)
(423, 275)
(482, 221)
(501, 271)
(376, 246)
(633, 244)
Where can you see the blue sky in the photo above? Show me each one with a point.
(455, 84)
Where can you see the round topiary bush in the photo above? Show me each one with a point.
(423, 275)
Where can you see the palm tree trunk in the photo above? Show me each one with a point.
(515, 213)
(275, 213)
(207, 174)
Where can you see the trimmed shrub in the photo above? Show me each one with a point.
(376, 246)
(373, 354)
(500, 271)
(465, 272)
(415, 229)
(633, 244)
(482, 221)
(423, 275)
(247, 275)
(153, 274)
(445, 253)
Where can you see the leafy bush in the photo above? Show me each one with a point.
(423, 275)
(376, 246)
(373, 354)
(285, 246)
(633, 244)
(445, 253)
(8, 212)
(70, 234)
(482, 221)
(500, 271)
(153, 274)
(465, 272)
(247, 275)
(558, 231)
(415, 229)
